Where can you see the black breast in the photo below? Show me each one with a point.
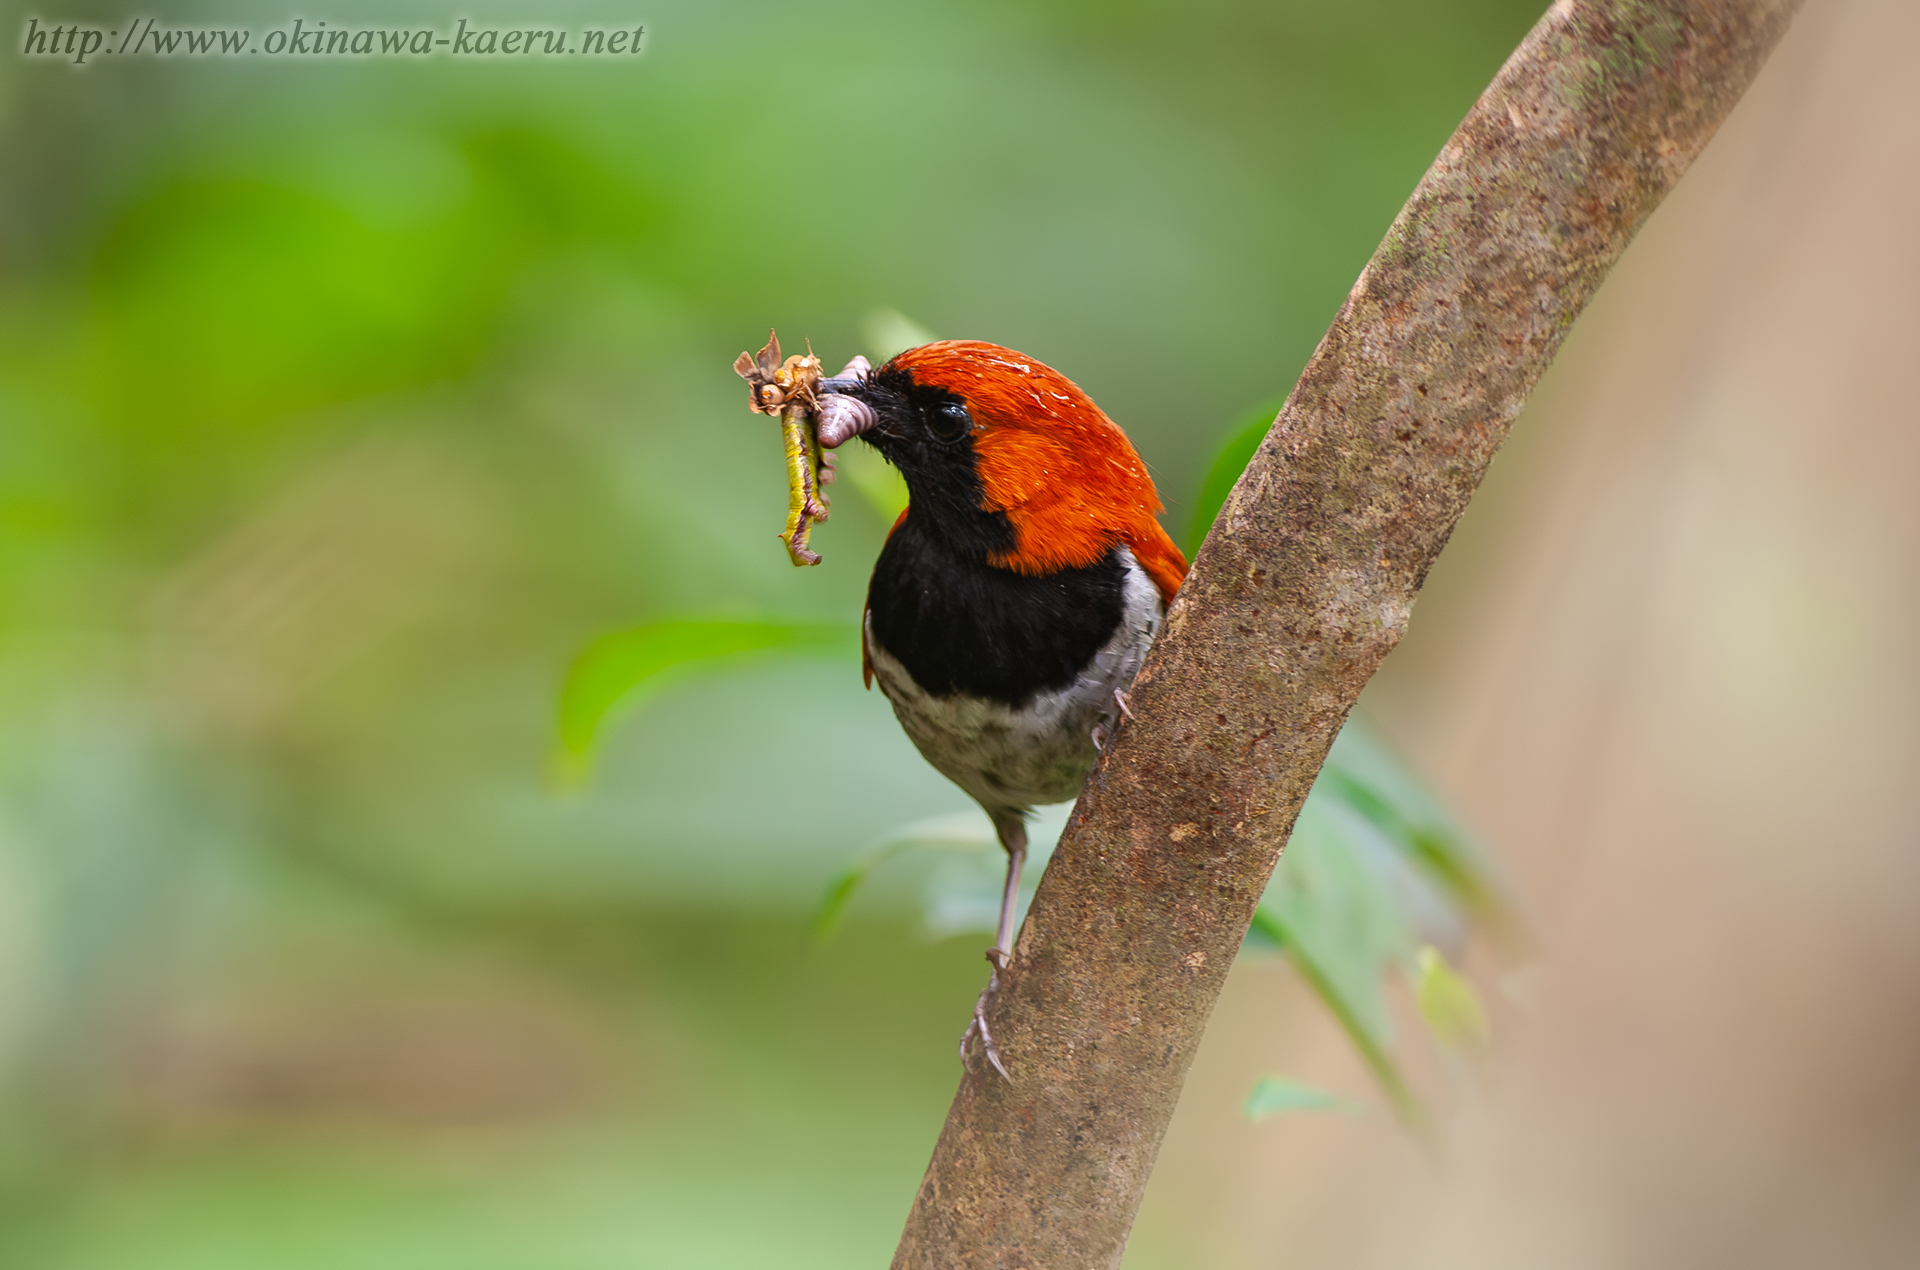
(962, 625)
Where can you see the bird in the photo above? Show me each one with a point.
(1016, 596)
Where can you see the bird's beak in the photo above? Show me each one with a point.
(843, 417)
(852, 375)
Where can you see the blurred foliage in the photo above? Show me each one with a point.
(342, 403)
(615, 670)
(1374, 874)
(1450, 1004)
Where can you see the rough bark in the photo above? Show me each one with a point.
(1303, 586)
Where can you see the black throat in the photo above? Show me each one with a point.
(961, 625)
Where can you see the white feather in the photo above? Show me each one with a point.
(1040, 753)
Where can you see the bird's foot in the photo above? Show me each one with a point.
(1101, 732)
(978, 1027)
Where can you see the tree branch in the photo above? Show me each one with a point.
(1303, 586)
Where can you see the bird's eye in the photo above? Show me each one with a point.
(949, 421)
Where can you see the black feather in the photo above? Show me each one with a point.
(959, 624)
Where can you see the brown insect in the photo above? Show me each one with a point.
(786, 388)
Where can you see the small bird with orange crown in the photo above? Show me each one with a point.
(1017, 595)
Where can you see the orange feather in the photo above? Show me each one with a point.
(1066, 476)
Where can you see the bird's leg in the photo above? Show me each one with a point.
(1121, 699)
(1013, 838)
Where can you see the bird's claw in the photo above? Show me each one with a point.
(1101, 732)
(978, 1027)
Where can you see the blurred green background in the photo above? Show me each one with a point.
(342, 403)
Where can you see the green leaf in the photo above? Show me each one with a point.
(963, 831)
(617, 671)
(1337, 911)
(1371, 1043)
(833, 905)
(1448, 1002)
(1266, 933)
(1374, 871)
(1272, 1095)
(1364, 774)
(1338, 928)
(1231, 460)
(962, 895)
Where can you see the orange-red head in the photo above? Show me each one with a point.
(1008, 456)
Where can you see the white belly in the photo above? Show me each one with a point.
(1040, 753)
